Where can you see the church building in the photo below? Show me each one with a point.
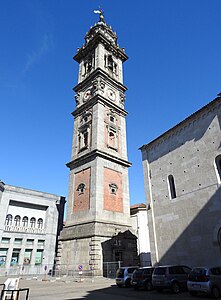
(182, 173)
(98, 225)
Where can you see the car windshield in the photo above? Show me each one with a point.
(160, 271)
(216, 271)
(148, 271)
(138, 272)
(198, 271)
(130, 270)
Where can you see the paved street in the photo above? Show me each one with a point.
(97, 289)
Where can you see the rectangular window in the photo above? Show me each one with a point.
(172, 187)
(41, 242)
(3, 256)
(5, 240)
(15, 257)
(18, 241)
(38, 257)
(30, 242)
(27, 257)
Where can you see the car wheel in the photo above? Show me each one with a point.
(215, 292)
(148, 286)
(119, 285)
(193, 293)
(175, 288)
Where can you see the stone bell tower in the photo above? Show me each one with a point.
(98, 199)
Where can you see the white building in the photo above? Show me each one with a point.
(139, 221)
(29, 224)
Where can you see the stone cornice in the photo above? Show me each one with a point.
(212, 106)
(100, 38)
(98, 99)
(93, 155)
(19, 190)
(76, 223)
(99, 72)
(91, 229)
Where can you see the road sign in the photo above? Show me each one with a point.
(80, 267)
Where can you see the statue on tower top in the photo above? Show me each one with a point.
(101, 13)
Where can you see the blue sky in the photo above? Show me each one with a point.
(174, 65)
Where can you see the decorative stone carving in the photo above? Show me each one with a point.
(77, 99)
(86, 117)
(98, 86)
(122, 98)
(102, 85)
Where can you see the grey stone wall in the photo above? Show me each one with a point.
(185, 229)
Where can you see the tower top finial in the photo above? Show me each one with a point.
(101, 13)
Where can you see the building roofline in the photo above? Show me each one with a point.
(17, 189)
(211, 103)
(138, 205)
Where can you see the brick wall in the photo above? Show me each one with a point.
(113, 202)
(82, 200)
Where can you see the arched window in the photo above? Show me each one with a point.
(218, 167)
(172, 188)
(40, 223)
(8, 220)
(32, 222)
(81, 188)
(113, 188)
(25, 221)
(17, 220)
(110, 62)
(112, 139)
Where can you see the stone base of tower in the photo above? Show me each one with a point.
(91, 244)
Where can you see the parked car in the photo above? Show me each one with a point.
(205, 280)
(142, 278)
(123, 276)
(172, 277)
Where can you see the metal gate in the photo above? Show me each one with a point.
(110, 268)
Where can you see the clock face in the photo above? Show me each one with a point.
(87, 94)
(111, 94)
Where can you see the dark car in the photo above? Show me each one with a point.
(123, 276)
(142, 278)
(170, 277)
(205, 280)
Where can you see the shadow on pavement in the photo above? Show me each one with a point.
(115, 293)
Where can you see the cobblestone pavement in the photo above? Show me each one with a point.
(96, 289)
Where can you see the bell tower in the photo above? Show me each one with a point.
(98, 199)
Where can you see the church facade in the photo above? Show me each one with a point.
(182, 173)
(98, 198)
